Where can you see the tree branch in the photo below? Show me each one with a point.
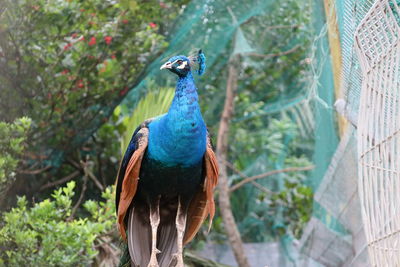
(266, 174)
(244, 176)
(83, 166)
(78, 203)
(233, 168)
(91, 175)
(273, 27)
(74, 164)
(262, 188)
(61, 181)
(35, 171)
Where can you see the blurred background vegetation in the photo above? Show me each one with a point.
(75, 80)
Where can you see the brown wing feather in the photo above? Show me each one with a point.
(129, 184)
(203, 204)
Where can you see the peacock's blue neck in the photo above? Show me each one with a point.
(179, 137)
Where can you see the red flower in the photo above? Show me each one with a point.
(163, 5)
(152, 25)
(74, 35)
(82, 10)
(64, 72)
(108, 39)
(92, 41)
(93, 14)
(67, 46)
(82, 38)
(113, 56)
(125, 21)
(80, 84)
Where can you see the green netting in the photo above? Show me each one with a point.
(224, 29)
(212, 26)
(206, 25)
(228, 32)
(66, 64)
(335, 236)
(350, 13)
(325, 130)
(227, 29)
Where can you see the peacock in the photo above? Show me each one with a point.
(166, 179)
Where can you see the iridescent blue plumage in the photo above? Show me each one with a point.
(163, 174)
(201, 58)
(179, 137)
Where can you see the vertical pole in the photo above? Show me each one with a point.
(336, 56)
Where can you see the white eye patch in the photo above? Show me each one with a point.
(183, 65)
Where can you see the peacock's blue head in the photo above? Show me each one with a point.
(181, 65)
(178, 64)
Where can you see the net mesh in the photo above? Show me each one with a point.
(350, 15)
(335, 235)
(369, 32)
(226, 29)
(222, 30)
(378, 49)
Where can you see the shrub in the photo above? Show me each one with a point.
(47, 235)
(13, 136)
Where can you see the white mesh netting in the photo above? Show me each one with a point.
(378, 135)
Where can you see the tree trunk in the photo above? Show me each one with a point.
(222, 150)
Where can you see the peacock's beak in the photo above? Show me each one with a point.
(167, 65)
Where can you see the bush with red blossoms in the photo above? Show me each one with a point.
(67, 74)
(92, 41)
(108, 39)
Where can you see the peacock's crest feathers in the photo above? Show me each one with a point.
(198, 60)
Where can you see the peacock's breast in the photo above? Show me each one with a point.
(182, 142)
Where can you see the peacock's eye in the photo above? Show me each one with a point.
(179, 62)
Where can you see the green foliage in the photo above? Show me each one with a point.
(13, 137)
(46, 235)
(274, 83)
(293, 203)
(285, 203)
(67, 64)
(64, 60)
(264, 133)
